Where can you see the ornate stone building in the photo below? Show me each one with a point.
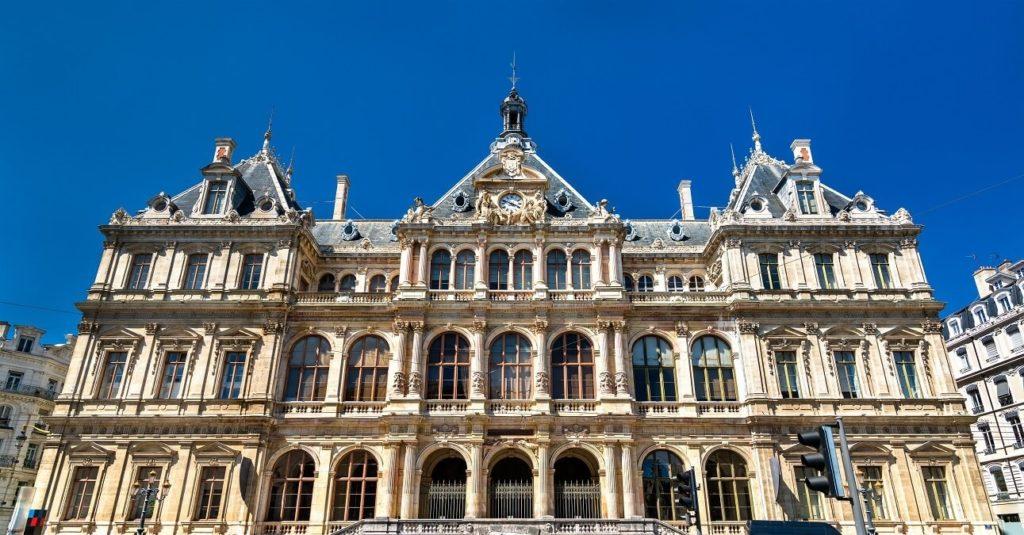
(512, 349)
(986, 353)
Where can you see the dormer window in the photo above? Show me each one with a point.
(805, 196)
(954, 328)
(25, 344)
(1003, 301)
(980, 316)
(216, 195)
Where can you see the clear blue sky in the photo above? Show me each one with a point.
(105, 104)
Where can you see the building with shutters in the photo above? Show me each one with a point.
(513, 355)
(986, 355)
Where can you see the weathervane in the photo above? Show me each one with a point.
(513, 78)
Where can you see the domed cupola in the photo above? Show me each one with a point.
(513, 113)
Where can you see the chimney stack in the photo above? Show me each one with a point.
(802, 151)
(685, 201)
(223, 148)
(982, 273)
(341, 198)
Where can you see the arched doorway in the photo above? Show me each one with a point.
(443, 488)
(510, 489)
(577, 486)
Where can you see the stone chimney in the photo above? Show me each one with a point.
(685, 201)
(223, 149)
(4, 329)
(802, 151)
(982, 273)
(341, 198)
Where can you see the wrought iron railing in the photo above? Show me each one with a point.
(511, 499)
(446, 499)
(577, 499)
(7, 461)
(29, 390)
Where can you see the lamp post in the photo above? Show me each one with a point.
(144, 497)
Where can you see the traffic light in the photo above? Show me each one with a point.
(824, 461)
(686, 490)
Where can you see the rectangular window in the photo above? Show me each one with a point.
(785, 368)
(938, 495)
(113, 373)
(880, 271)
(954, 329)
(810, 500)
(51, 386)
(826, 271)
(31, 452)
(1016, 341)
(138, 275)
(145, 477)
(991, 351)
(195, 271)
(1003, 391)
(986, 436)
(770, 271)
(174, 369)
(216, 194)
(83, 486)
(231, 382)
(907, 371)
(1004, 303)
(211, 491)
(846, 366)
(805, 196)
(975, 396)
(980, 316)
(14, 380)
(961, 355)
(252, 269)
(25, 344)
(871, 479)
(1018, 430)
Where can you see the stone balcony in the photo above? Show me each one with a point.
(526, 526)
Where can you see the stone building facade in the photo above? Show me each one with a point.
(32, 373)
(512, 349)
(986, 354)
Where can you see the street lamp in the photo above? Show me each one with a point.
(144, 497)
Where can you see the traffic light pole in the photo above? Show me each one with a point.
(862, 527)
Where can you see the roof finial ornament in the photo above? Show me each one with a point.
(756, 137)
(291, 164)
(513, 78)
(735, 170)
(267, 135)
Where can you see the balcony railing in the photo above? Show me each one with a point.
(537, 526)
(510, 295)
(7, 461)
(571, 295)
(450, 295)
(677, 297)
(29, 390)
(447, 406)
(343, 297)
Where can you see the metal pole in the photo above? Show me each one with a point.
(851, 480)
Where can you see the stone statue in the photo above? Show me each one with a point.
(419, 213)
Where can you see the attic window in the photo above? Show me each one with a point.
(756, 204)
(216, 195)
(267, 205)
(160, 205)
(562, 201)
(460, 202)
(805, 196)
(861, 205)
(675, 232)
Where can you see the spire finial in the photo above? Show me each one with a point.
(756, 137)
(267, 135)
(291, 163)
(735, 170)
(513, 78)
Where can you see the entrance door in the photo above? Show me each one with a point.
(444, 494)
(577, 489)
(511, 489)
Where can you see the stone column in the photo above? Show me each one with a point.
(478, 268)
(477, 365)
(614, 266)
(538, 263)
(475, 482)
(542, 503)
(541, 373)
(397, 378)
(405, 263)
(853, 253)
(408, 480)
(336, 367)
(416, 362)
(684, 370)
(753, 373)
(318, 513)
(623, 364)
(386, 484)
(610, 482)
(598, 263)
(629, 508)
(421, 269)
(605, 381)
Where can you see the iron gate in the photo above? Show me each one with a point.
(577, 499)
(446, 499)
(511, 499)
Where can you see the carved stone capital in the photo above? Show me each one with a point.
(748, 327)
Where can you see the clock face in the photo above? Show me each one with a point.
(511, 202)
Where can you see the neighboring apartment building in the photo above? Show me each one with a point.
(511, 349)
(31, 375)
(986, 353)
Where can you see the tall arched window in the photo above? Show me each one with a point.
(511, 371)
(572, 367)
(366, 376)
(557, 268)
(696, 284)
(291, 488)
(654, 372)
(659, 470)
(348, 283)
(378, 284)
(713, 377)
(522, 270)
(448, 367)
(627, 282)
(581, 269)
(645, 283)
(727, 486)
(326, 283)
(675, 283)
(307, 370)
(355, 487)
(497, 270)
(440, 269)
(465, 264)
(393, 284)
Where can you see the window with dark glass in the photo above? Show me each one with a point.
(675, 284)
(216, 194)
(307, 370)
(659, 471)
(1018, 430)
(557, 268)
(234, 372)
(581, 270)
(654, 369)
(998, 480)
(355, 487)
(826, 271)
(1003, 393)
(195, 271)
(378, 284)
(713, 375)
(511, 367)
(880, 270)
(448, 367)
(5, 416)
(113, 373)
(291, 488)
(645, 283)
(14, 380)
(809, 501)
(142, 480)
(497, 270)
(83, 487)
(938, 493)
(138, 274)
(171, 378)
(1013, 333)
(522, 265)
(728, 489)
(906, 371)
(987, 437)
(786, 370)
(440, 269)
(805, 197)
(252, 270)
(980, 316)
(572, 367)
(870, 478)
(991, 351)
(348, 283)
(25, 344)
(975, 396)
(326, 283)
(366, 374)
(465, 264)
(211, 493)
(770, 271)
(31, 453)
(696, 284)
(394, 284)
(846, 368)
(628, 284)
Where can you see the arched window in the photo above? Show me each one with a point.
(366, 375)
(627, 281)
(497, 270)
(675, 283)
(465, 264)
(557, 268)
(440, 269)
(998, 479)
(696, 284)
(378, 284)
(355, 487)
(511, 371)
(522, 270)
(307, 370)
(659, 470)
(645, 284)
(291, 488)
(348, 283)
(654, 369)
(326, 283)
(448, 367)
(572, 367)
(727, 487)
(712, 370)
(581, 269)
(394, 284)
